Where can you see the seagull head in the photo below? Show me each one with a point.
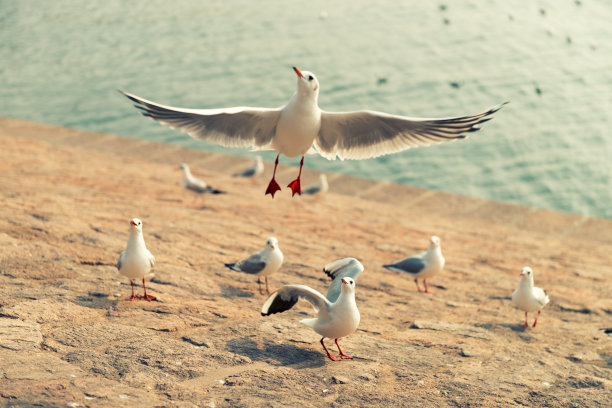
(434, 242)
(307, 82)
(527, 272)
(136, 225)
(348, 284)
(271, 243)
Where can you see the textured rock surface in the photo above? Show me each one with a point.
(68, 337)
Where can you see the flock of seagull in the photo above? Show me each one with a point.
(337, 314)
(298, 128)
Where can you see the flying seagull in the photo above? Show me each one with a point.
(337, 313)
(529, 298)
(423, 265)
(136, 261)
(301, 127)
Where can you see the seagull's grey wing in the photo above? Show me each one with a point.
(413, 265)
(230, 127)
(342, 268)
(252, 265)
(287, 296)
(120, 260)
(366, 134)
(196, 187)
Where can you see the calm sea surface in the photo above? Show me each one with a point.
(62, 61)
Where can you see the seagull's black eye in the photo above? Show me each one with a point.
(310, 77)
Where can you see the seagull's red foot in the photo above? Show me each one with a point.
(332, 357)
(295, 187)
(525, 324)
(273, 187)
(345, 356)
(134, 297)
(149, 298)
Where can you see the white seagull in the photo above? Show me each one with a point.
(255, 170)
(195, 184)
(136, 261)
(529, 298)
(262, 263)
(424, 265)
(337, 314)
(301, 127)
(320, 187)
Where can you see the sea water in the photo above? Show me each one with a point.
(62, 61)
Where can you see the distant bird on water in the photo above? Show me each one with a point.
(424, 265)
(136, 261)
(301, 127)
(337, 313)
(195, 184)
(529, 298)
(262, 263)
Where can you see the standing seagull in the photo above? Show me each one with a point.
(195, 184)
(263, 263)
(253, 171)
(337, 314)
(136, 261)
(300, 125)
(320, 187)
(529, 298)
(424, 265)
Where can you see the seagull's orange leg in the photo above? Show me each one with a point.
(273, 187)
(327, 351)
(526, 324)
(295, 184)
(416, 280)
(342, 355)
(147, 297)
(536, 319)
(134, 297)
(427, 290)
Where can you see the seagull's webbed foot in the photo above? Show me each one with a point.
(273, 187)
(148, 297)
(295, 187)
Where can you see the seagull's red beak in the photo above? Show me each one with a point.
(345, 282)
(133, 223)
(522, 273)
(298, 72)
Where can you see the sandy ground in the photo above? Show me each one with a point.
(69, 337)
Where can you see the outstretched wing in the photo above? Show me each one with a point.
(366, 134)
(229, 127)
(287, 296)
(342, 268)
